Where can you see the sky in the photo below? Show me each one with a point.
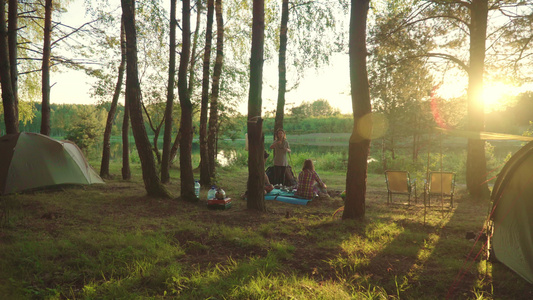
(330, 82)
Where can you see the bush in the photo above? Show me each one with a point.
(87, 126)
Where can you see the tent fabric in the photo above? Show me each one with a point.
(512, 213)
(31, 160)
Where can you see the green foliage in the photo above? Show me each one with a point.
(328, 124)
(317, 108)
(86, 126)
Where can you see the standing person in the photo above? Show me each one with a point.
(281, 148)
(309, 182)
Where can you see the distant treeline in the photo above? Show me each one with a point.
(512, 119)
(63, 116)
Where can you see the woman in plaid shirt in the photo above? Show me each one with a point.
(306, 181)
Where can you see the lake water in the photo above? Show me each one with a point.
(314, 144)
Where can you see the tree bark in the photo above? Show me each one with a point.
(126, 170)
(476, 163)
(192, 69)
(205, 175)
(8, 98)
(186, 173)
(152, 183)
(45, 107)
(256, 162)
(175, 146)
(359, 144)
(282, 69)
(167, 135)
(156, 130)
(106, 145)
(213, 106)
(13, 51)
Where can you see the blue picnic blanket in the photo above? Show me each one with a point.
(287, 197)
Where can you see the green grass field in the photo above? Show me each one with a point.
(112, 242)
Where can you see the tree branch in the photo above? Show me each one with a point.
(74, 31)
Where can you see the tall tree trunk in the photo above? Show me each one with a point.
(360, 138)
(126, 170)
(476, 164)
(45, 107)
(152, 183)
(175, 146)
(282, 69)
(13, 52)
(213, 106)
(8, 98)
(256, 161)
(205, 176)
(167, 135)
(186, 174)
(106, 145)
(192, 69)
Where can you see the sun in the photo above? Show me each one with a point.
(495, 96)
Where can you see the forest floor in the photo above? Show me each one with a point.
(113, 242)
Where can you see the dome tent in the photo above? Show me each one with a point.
(30, 160)
(512, 213)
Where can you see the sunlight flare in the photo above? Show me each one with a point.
(495, 96)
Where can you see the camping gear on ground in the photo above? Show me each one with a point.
(286, 196)
(30, 161)
(216, 198)
(215, 203)
(197, 189)
(212, 192)
(399, 182)
(289, 179)
(220, 194)
(512, 214)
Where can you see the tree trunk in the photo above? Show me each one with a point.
(126, 170)
(205, 176)
(192, 69)
(167, 135)
(359, 144)
(282, 69)
(106, 145)
(8, 98)
(256, 162)
(175, 146)
(213, 106)
(133, 93)
(13, 51)
(156, 130)
(393, 154)
(186, 174)
(415, 138)
(45, 108)
(383, 154)
(476, 164)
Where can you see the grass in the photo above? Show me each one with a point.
(112, 242)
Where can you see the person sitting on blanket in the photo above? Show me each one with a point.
(309, 182)
(268, 186)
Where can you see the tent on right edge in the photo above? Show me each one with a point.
(512, 214)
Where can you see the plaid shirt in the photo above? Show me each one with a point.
(306, 179)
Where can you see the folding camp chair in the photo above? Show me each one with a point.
(440, 183)
(399, 182)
